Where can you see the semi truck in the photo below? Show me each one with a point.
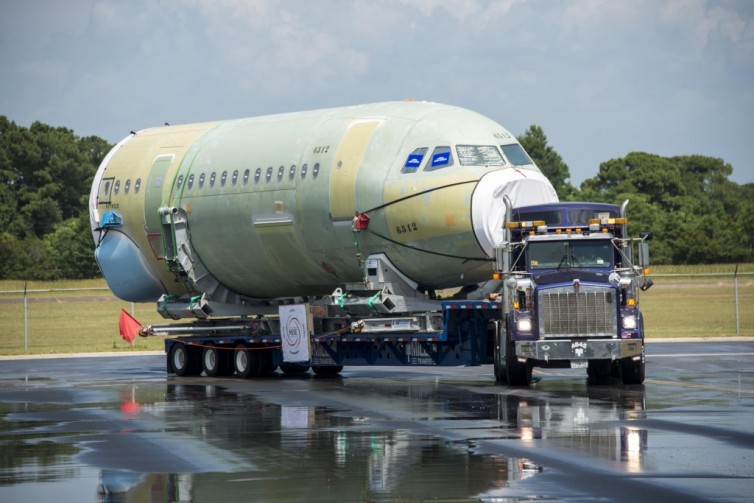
(564, 294)
(571, 292)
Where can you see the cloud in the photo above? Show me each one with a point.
(601, 78)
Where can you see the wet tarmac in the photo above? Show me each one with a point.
(118, 429)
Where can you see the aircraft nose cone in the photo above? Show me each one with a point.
(523, 187)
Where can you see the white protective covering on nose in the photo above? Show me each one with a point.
(522, 186)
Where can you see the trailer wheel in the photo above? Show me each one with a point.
(327, 370)
(245, 362)
(266, 364)
(215, 362)
(632, 371)
(294, 369)
(185, 360)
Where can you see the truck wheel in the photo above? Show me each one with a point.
(598, 371)
(498, 355)
(246, 362)
(517, 373)
(185, 360)
(632, 371)
(215, 362)
(327, 370)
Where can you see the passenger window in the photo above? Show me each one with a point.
(212, 179)
(268, 176)
(281, 172)
(201, 180)
(234, 180)
(223, 178)
(137, 185)
(190, 181)
(303, 170)
(116, 188)
(292, 173)
(127, 186)
(257, 175)
(442, 157)
(516, 154)
(246, 176)
(177, 183)
(414, 160)
(315, 171)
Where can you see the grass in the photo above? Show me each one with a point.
(82, 316)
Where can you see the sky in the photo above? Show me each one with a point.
(602, 78)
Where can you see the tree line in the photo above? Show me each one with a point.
(696, 213)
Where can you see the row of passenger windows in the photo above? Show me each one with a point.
(467, 155)
(212, 180)
(126, 186)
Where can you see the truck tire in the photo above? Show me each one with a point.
(185, 360)
(215, 362)
(516, 373)
(632, 371)
(498, 355)
(598, 371)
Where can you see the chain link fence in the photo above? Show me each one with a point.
(82, 316)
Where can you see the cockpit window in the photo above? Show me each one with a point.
(442, 157)
(479, 155)
(414, 160)
(516, 154)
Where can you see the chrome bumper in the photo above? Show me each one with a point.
(579, 349)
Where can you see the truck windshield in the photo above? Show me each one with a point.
(571, 253)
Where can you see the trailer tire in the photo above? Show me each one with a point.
(245, 362)
(266, 363)
(327, 370)
(185, 360)
(215, 362)
(294, 369)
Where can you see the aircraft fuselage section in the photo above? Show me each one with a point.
(270, 201)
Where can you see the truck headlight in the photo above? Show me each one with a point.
(629, 322)
(523, 325)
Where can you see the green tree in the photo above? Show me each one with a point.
(45, 176)
(695, 212)
(71, 249)
(549, 161)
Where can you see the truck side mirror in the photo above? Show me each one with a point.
(644, 248)
(643, 254)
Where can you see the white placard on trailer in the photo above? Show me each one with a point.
(295, 321)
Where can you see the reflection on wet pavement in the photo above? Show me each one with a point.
(373, 435)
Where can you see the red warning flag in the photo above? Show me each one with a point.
(129, 327)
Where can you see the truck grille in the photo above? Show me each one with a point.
(591, 311)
